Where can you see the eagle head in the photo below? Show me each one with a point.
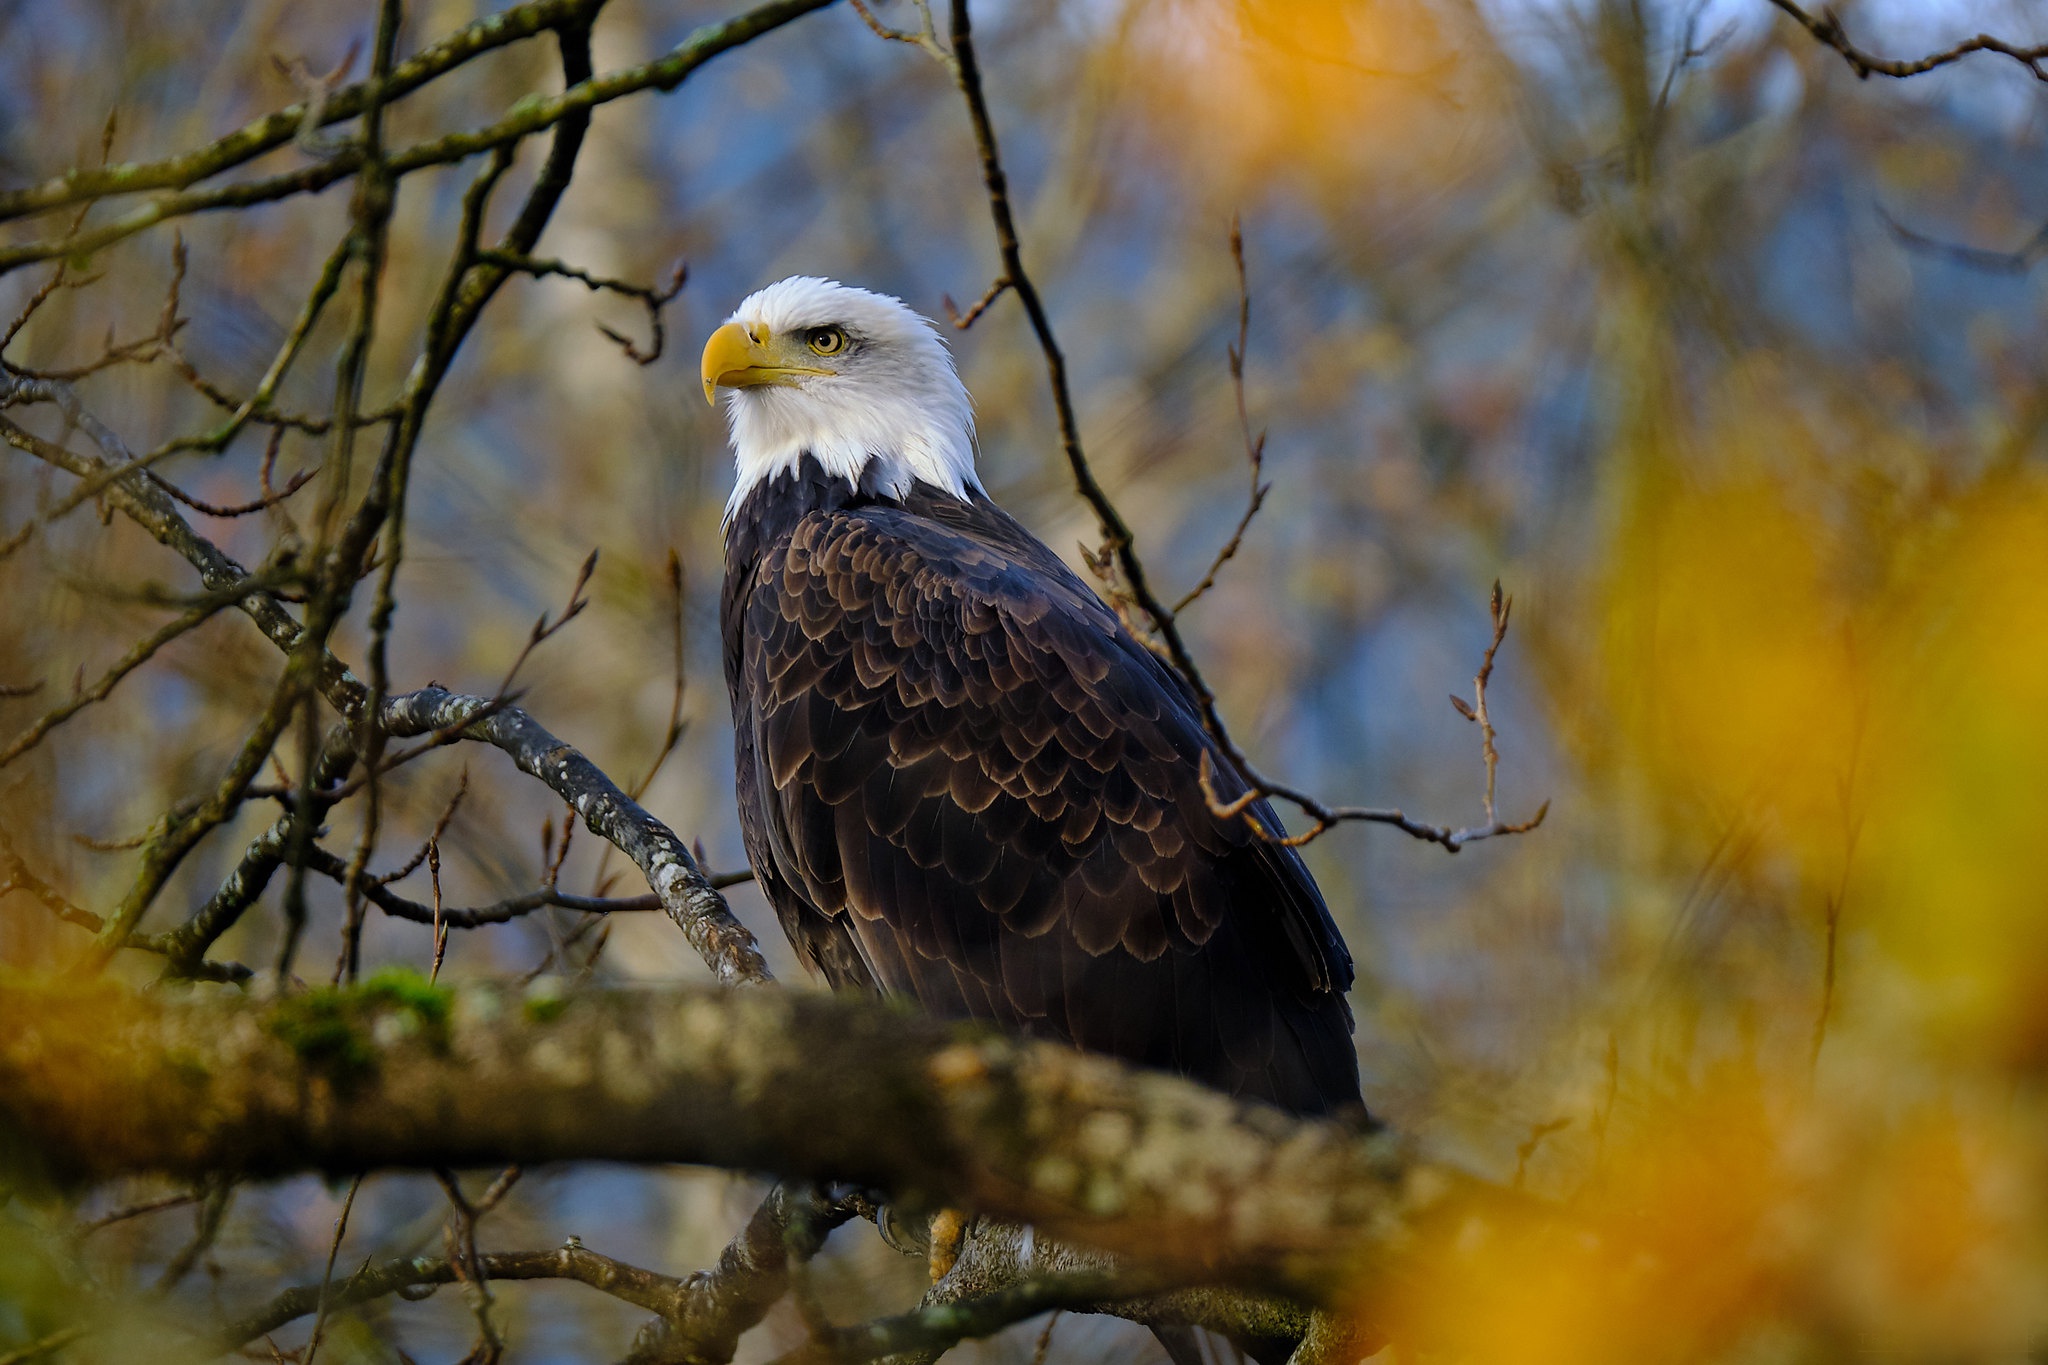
(856, 380)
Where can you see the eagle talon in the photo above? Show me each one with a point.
(890, 1231)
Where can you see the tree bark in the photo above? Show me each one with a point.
(97, 1082)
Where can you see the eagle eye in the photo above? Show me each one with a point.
(827, 340)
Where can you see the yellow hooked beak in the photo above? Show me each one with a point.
(737, 357)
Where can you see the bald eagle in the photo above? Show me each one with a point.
(961, 780)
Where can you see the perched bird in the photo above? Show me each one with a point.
(961, 779)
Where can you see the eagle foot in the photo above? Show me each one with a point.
(948, 1232)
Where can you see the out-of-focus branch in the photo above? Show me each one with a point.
(686, 891)
(1240, 790)
(139, 654)
(700, 1317)
(274, 130)
(931, 1328)
(530, 116)
(1826, 27)
(153, 509)
(394, 1073)
(709, 1311)
(572, 1261)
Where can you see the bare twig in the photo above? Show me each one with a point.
(2015, 262)
(544, 628)
(470, 1269)
(965, 320)
(654, 300)
(318, 89)
(926, 36)
(270, 131)
(147, 1206)
(1239, 789)
(440, 922)
(672, 733)
(1826, 27)
(44, 1346)
(271, 496)
(573, 1261)
(16, 875)
(441, 824)
(213, 1208)
(138, 655)
(334, 867)
(327, 1275)
(1254, 446)
(1498, 607)
(686, 892)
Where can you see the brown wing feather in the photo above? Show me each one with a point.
(972, 783)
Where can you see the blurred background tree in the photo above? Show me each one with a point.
(1725, 361)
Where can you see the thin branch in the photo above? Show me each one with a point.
(44, 1346)
(528, 117)
(544, 629)
(142, 350)
(470, 1269)
(1498, 607)
(963, 321)
(16, 875)
(148, 1206)
(672, 733)
(1247, 789)
(1254, 446)
(654, 300)
(340, 549)
(182, 832)
(327, 1276)
(335, 868)
(926, 37)
(213, 1208)
(1826, 28)
(138, 655)
(572, 1261)
(270, 498)
(274, 130)
(686, 891)
(441, 823)
(440, 923)
(2015, 262)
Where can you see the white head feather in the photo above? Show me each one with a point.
(894, 403)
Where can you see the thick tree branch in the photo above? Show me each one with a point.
(1179, 1179)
